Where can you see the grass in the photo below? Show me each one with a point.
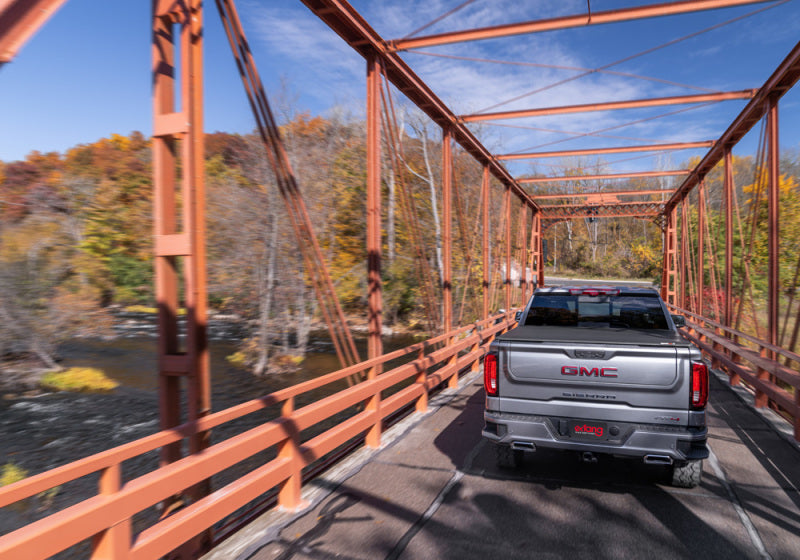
(78, 380)
(151, 310)
(11, 473)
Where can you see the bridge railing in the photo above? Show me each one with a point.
(764, 368)
(107, 517)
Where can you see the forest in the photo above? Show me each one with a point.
(76, 235)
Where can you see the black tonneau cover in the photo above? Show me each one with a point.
(597, 335)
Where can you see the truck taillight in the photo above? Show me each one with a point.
(594, 292)
(490, 374)
(699, 385)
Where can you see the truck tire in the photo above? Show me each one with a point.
(687, 475)
(507, 458)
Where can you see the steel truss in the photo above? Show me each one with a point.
(693, 282)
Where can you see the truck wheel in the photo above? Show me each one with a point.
(506, 457)
(687, 475)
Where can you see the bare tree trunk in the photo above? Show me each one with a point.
(555, 248)
(266, 282)
(591, 229)
(422, 132)
(568, 223)
(390, 218)
(302, 322)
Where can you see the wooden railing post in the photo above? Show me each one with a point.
(114, 543)
(373, 437)
(761, 398)
(289, 494)
(422, 380)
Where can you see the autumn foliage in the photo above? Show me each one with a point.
(76, 236)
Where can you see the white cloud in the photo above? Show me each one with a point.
(321, 64)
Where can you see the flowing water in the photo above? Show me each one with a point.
(41, 432)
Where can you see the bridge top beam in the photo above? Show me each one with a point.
(612, 106)
(581, 20)
(614, 150)
(631, 175)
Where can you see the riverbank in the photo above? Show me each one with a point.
(21, 377)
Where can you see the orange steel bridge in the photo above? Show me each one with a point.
(301, 436)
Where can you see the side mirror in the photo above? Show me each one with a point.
(518, 316)
(679, 320)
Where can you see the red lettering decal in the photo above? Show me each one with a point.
(569, 370)
(589, 373)
(606, 369)
(585, 429)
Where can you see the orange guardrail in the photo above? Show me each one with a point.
(107, 517)
(746, 359)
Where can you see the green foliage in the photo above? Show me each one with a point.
(11, 473)
(349, 226)
(78, 380)
(238, 359)
(399, 292)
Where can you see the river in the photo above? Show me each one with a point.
(41, 432)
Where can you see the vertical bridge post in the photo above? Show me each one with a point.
(179, 230)
(374, 301)
(447, 239)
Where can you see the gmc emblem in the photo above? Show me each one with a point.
(586, 372)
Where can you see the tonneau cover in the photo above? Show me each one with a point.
(596, 335)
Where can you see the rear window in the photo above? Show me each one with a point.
(599, 311)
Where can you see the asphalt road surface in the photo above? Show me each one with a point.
(433, 492)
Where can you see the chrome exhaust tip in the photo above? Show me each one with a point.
(657, 460)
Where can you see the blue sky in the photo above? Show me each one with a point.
(86, 73)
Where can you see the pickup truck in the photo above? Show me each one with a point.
(598, 371)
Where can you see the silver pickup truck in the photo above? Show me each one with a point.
(598, 371)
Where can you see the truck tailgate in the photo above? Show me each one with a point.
(633, 375)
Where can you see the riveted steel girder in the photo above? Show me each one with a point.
(19, 20)
(618, 210)
(612, 105)
(602, 151)
(594, 18)
(632, 175)
(604, 193)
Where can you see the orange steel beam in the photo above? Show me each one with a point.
(638, 174)
(781, 81)
(594, 18)
(612, 105)
(548, 209)
(447, 228)
(179, 231)
(374, 290)
(729, 225)
(507, 235)
(603, 193)
(538, 266)
(485, 238)
(773, 211)
(601, 151)
(343, 19)
(19, 20)
(669, 272)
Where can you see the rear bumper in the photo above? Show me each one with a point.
(621, 439)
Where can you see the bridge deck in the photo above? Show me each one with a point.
(436, 493)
